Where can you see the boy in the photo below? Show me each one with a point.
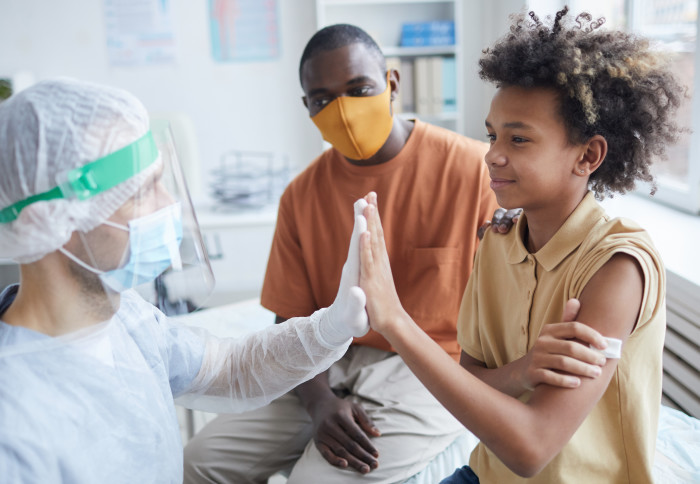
(577, 109)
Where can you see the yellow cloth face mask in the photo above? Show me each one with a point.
(357, 126)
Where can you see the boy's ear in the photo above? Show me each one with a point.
(593, 155)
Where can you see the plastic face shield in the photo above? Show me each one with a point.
(164, 231)
(152, 243)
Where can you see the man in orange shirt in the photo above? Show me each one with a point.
(368, 413)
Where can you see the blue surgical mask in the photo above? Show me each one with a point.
(154, 245)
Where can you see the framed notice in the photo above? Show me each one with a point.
(139, 32)
(244, 30)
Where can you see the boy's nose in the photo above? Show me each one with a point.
(495, 157)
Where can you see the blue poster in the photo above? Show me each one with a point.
(243, 30)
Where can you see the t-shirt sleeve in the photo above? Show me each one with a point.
(287, 289)
(625, 239)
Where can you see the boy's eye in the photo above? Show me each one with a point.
(321, 102)
(491, 137)
(518, 139)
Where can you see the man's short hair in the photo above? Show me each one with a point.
(340, 35)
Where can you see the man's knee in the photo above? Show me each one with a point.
(199, 469)
(227, 452)
(195, 462)
(204, 461)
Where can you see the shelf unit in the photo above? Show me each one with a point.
(383, 20)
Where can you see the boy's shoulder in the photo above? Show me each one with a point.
(594, 236)
(496, 248)
(618, 231)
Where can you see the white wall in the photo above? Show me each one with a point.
(249, 105)
(244, 105)
(483, 23)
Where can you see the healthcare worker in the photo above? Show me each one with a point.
(93, 207)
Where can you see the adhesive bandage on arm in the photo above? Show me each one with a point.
(613, 350)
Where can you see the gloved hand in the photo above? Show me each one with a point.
(347, 317)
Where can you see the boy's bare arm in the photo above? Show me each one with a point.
(506, 425)
(610, 303)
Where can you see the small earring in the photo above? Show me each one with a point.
(582, 171)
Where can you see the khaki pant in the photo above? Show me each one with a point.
(250, 447)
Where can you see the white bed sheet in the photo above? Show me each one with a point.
(677, 452)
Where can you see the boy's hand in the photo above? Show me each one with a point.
(383, 305)
(561, 356)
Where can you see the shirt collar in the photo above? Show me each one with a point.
(587, 215)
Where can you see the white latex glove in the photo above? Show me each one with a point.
(347, 317)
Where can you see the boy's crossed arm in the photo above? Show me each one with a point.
(503, 423)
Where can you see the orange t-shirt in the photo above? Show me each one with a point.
(432, 196)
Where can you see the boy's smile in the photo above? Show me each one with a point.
(531, 162)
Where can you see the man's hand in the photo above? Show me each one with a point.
(341, 431)
(502, 221)
(561, 356)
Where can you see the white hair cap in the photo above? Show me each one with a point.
(45, 131)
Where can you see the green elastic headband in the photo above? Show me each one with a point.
(95, 177)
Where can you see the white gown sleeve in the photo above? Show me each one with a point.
(240, 374)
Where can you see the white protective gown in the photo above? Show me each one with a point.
(97, 405)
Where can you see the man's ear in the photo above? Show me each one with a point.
(306, 103)
(594, 152)
(394, 82)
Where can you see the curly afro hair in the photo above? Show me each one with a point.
(609, 82)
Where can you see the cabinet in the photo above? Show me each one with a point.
(238, 245)
(9, 273)
(430, 75)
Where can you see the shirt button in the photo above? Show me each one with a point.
(522, 328)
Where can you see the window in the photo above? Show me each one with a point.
(672, 26)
